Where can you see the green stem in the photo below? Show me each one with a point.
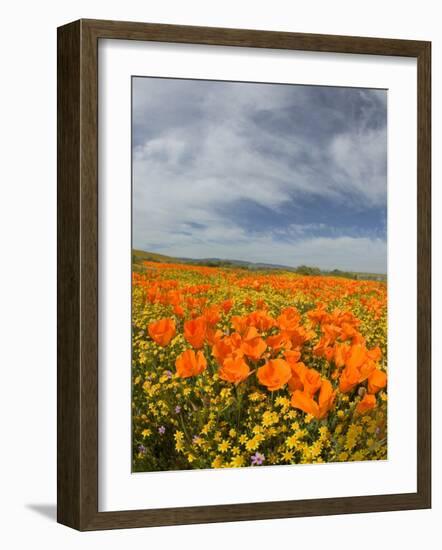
(184, 427)
(238, 404)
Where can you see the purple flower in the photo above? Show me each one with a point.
(177, 409)
(257, 459)
(141, 449)
(161, 429)
(168, 373)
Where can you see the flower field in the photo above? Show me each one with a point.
(235, 368)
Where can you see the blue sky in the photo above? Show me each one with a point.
(271, 173)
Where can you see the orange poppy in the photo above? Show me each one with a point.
(190, 364)
(358, 338)
(375, 354)
(348, 331)
(300, 335)
(295, 382)
(229, 345)
(234, 369)
(349, 379)
(356, 357)
(279, 341)
(253, 345)
(173, 297)
(311, 380)
(289, 319)
(152, 294)
(341, 350)
(329, 354)
(331, 332)
(240, 324)
(178, 310)
(304, 401)
(195, 332)
(326, 398)
(261, 320)
(306, 379)
(212, 315)
(274, 374)
(292, 355)
(321, 347)
(162, 331)
(359, 365)
(227, 305)
(367, 403)
(319, 315)
(213, 336)
(376, 381)
(367, 368)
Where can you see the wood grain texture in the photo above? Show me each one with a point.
(77, 225)
(68, 275)
(252, 38)
(424, 274)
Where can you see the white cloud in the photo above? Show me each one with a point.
(200, 149)
(361, 159)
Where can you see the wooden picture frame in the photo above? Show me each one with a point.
(77, 225)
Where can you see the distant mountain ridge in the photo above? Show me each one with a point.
(255, 265)
(241, 263)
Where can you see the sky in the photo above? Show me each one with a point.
(275, 173)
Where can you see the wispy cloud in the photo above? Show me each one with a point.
(276, 173)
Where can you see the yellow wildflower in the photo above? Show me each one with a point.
(354, 431)
(224, 446)
(269, 418)
(287, 455)
(237, 461)
(256, 396)
(217, 462)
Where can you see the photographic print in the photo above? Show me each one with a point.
(259, 274)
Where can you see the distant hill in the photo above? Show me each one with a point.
(138, 256)
(142, 255)
(237, 263)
